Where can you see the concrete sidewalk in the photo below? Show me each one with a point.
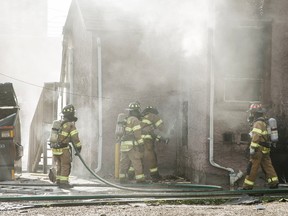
(39, 184)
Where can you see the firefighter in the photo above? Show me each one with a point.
(150, 122)
(132, 145)
(259, 149)
(61, 150)
(131, 170)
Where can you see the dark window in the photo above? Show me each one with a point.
(228, 138)
(244, 138)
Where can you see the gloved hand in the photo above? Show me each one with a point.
(166, 141)
(252, 151)
(162, 140)
(78, 150)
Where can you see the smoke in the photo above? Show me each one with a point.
(173, 50)
(28, 57)
(169, 50)
(183, 22)
(171, 35)
(163, 57)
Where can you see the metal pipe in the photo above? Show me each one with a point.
(100, 133)
(117, 160)
(232, 174)
(70, 74)
(212, 86)
(211, 130)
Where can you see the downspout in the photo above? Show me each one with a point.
(100, 114)
(232, 174)
(71, 74)
(211, 121)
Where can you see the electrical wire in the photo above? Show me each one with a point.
(48, 89)
(80, 95)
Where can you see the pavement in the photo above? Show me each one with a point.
(39, 184)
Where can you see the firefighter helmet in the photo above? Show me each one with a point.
(150, 109)
(256, 108)
(134, 106)
(69, 113)
(68, 110)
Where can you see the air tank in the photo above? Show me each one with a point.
(121, 121)
(273, 129)
(54, 132)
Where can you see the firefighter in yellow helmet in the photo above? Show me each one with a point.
(132, 146)
(259, 149)
(150, 122)
(61, 151)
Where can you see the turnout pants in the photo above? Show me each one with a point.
(63, 166)
(257, 160)
(128, 158)
(150, 157)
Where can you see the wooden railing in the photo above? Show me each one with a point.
(45, 113)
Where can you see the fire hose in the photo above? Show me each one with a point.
(215, 187)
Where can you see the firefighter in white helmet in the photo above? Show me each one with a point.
(259, 149)
(132, 147)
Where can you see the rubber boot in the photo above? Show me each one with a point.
(123, 180)
(65, 185)
(156, 177)
(131, 173)
(52, 175)
(274, 186)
